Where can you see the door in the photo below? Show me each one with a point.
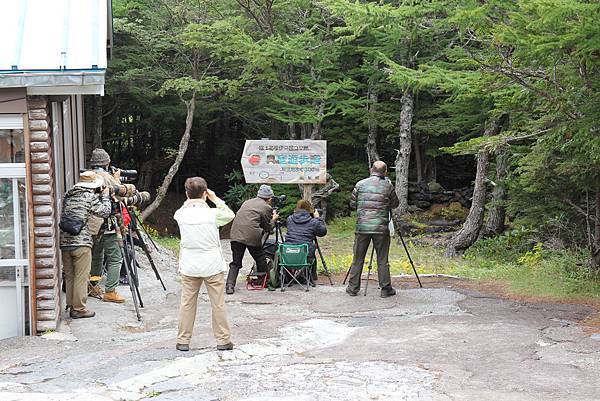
(14, 240)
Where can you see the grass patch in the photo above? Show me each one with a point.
(525, 268)
(167, 242)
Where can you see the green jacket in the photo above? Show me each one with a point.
(373, 198)
(83, 203)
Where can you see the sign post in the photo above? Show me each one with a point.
(302, 162)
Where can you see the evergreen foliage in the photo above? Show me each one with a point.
(309, 69)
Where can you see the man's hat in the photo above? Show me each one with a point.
(89, 179)
(99, 158)
(265, 192)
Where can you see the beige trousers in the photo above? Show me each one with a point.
(190, 287)
(77, 265)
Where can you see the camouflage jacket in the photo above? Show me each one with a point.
(83, 203)
(373, 198)
(112, 223)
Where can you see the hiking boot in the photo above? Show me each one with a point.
(350, 292)
(225, 347)
(112, 296)
(229, 289)
(81, 314)
(387, 292)
(182, 347)
(95, 291)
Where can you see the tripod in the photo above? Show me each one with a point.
(131, 264)
(323, 262)
(370, 267)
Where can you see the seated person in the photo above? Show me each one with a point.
(302, 228)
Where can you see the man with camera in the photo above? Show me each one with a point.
(201, 261)
(108, 231)
(373, 198)
(86, 199)
(255, 217)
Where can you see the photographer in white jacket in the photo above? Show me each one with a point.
(201, 261)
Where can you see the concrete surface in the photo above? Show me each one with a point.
(424, 344)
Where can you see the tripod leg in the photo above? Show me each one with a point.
(370, 267)
(131, 286)
(325, 264)
(410, 259)
(347, 274)
(144, 228)
(134, 273)
(147, 252)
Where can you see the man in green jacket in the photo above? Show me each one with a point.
(373, 198)
(79, 204)
(107, 236)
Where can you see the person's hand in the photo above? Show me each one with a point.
(275, 215)
(316, 214)
(117, 174)
(210, 194)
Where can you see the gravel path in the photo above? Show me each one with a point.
(424, 344)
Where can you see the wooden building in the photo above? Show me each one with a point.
(52, 54)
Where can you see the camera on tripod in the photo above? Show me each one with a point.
(279, 201)
(126, 175)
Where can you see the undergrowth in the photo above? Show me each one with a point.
(526, 266)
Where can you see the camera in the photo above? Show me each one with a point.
(279, 201)
(126, 175)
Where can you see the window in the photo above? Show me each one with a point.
(12, 146)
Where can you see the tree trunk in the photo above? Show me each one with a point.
(372, 127)
(418, 160)
(274, 129)
(307, 190)
(291, 128)
(469, 232)
(316, 131)
(97, 123)
(596, 248)
(497, 213)
(183, 145)
(403, 157)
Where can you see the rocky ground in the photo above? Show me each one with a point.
(443, 343)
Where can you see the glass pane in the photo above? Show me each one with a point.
(12, 146)
(23, 214)
(9, 310)
(26, 301)
(7, 222)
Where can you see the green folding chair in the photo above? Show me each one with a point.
(291, 259)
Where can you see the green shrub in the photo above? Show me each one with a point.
(347, 174)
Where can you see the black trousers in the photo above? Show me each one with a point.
(237, 250)
(381, 242)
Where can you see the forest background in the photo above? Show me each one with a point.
(499, 96)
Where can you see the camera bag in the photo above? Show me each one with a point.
(70, 224)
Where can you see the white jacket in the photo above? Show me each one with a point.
(200, 252)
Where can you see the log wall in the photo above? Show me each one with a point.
(46, 265)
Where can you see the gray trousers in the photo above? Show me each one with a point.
(381, 242)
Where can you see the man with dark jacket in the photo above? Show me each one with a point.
(255, 217)
(373, 198)
(79, 204)
(302, 228)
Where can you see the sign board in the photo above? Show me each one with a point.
(285, 162)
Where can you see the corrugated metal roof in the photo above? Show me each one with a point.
(54, 46)
(52, 35)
